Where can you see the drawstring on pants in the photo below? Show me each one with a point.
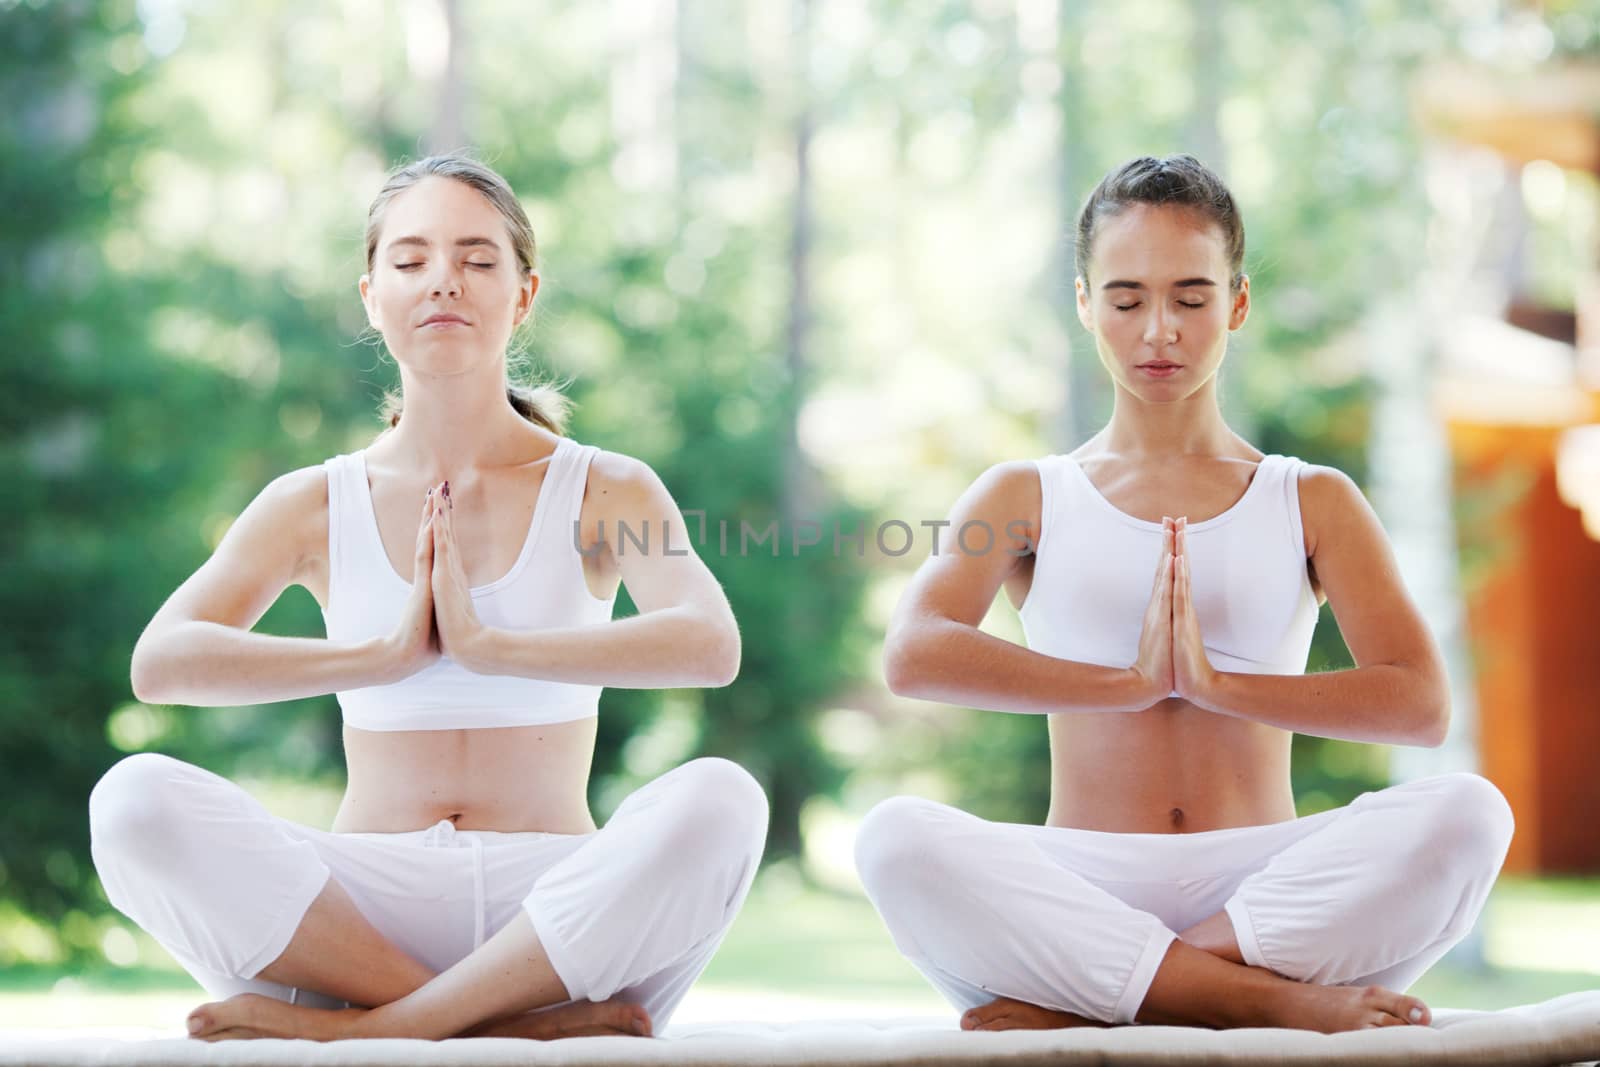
(443, 834)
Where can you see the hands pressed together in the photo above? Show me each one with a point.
(438, 618)
(1172, 654)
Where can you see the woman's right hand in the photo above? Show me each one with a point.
(414, 644)
(1154, 665)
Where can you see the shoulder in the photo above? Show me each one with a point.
(1000, 498)
(616, 480)
(289, 515)
(615, 472)
(1014, 482)
(303, 487)
(1329, 498)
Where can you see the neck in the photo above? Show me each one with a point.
(1191, 426)
(453, 426)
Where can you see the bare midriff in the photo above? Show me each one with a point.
(1173, 768)
(507, 779)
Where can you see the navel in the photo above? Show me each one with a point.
(1176, 815)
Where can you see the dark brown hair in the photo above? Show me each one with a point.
(1175, 181)
(538, 402)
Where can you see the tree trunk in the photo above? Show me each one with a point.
(449, 130)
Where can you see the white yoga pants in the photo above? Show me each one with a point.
(633, 911)
(1079, 920)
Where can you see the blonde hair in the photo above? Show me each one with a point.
(539, 402)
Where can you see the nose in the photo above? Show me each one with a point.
(446, 280)
(1160, 326)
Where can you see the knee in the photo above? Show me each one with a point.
(131, 808)
(1469, 823)
(721, 815)
(898, 846)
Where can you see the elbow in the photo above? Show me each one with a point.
(1434, 726)
(143, 675)
(725, 650)
(900, 671)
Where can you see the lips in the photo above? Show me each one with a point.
(444, 320)
(1160, 368)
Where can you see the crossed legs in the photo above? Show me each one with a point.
(1311, 924)
(615, 928)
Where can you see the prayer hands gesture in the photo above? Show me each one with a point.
(454, 617)
(1172, 654)
(438, 618)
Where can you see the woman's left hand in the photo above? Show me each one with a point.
(453, 613)
(1192, 674)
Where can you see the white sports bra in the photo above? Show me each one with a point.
(544, 588)
(1094, 566)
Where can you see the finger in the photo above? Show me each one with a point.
(1163, 569)
(427, 516)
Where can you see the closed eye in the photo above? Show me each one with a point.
(1127, 307)
(407, 266)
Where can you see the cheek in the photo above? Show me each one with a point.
(1119, 327)
(1214, 327)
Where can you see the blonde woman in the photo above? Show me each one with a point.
(464, 570)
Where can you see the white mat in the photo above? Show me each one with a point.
(1565, 1030)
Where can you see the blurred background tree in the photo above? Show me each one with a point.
(810, 259)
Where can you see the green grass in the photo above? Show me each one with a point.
(805, 951)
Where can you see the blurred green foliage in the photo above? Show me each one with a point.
(186, 186)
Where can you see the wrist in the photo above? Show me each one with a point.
(1143, 689)
(1207, 690)
(384, 658)
(473, 650)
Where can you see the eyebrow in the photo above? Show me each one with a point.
(464, 242)
(1186, 283)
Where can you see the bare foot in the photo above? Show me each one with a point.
(1332, 1009)
(253, 1015)
(250, 1015)
(1008, 1014)
(583, 1018)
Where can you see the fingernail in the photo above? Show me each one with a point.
(195, 1025)
(1416, 1015)
(447, 490)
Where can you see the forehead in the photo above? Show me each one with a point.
(1153, 244)
(442, 209)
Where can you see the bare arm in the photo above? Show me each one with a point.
(1397, 693)
(934, 649)
(198, 649)
(684, 633)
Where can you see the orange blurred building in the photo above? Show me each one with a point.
(1514, 392)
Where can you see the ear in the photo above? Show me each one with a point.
(530, 289)
(364, 286)
(1241, 304)
(1085, 312)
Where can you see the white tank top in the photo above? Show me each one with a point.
(1094, 567)
(544, 588)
